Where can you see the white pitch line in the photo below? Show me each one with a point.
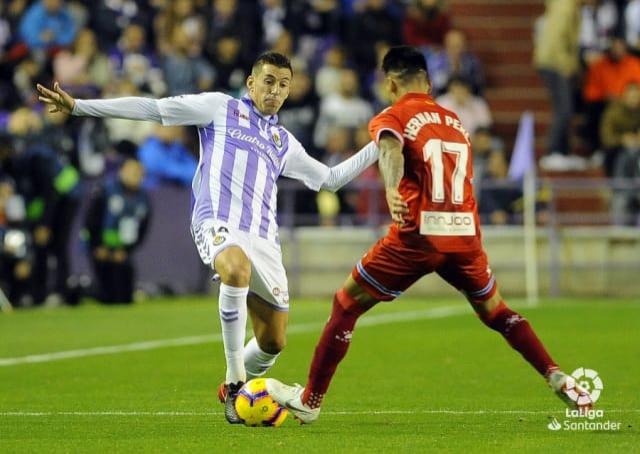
(370, 320)
(332, 413)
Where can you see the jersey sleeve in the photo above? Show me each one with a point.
(196, 110)
(386, 121)
(302, 167)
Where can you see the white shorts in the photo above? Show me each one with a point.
(268, 277)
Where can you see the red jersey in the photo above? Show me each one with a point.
(437, 174)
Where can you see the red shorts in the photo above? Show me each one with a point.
(390, 267)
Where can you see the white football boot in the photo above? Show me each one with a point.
(571, 393)
(290, 397)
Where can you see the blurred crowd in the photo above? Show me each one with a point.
(155, 48)
(588, 55)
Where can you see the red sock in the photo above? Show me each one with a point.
(332, 347)
(519, 334)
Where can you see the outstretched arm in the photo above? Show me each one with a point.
(391, 163)
(130, 108)
(348, 169)
(316, 175)
(197, 110)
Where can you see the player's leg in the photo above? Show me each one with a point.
(227, 257)
(349, 303)
(234, 268)
(471, 274)
(518, 332)
(381, 275)
(268, 306)
(269, 328)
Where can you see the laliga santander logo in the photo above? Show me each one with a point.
(589, 380)
(590, 419)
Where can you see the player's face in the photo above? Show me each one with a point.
(269, 88)
(131, 174)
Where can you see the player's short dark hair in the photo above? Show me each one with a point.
(272, 58)
(405, 62)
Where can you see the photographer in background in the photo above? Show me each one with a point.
(16, 246)
(51, 191)
(116, 223)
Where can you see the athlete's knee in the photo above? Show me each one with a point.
(352, 303)
(501, 318)
(234, 267)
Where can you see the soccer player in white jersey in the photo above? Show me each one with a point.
(243, 150)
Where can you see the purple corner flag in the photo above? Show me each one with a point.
(522, 158)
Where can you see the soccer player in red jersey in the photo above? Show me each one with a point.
(425, 161)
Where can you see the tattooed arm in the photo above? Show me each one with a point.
(391, 163)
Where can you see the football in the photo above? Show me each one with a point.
(256, 407)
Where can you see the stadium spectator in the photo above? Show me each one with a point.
(632, 25)
(328, 74)
(345, 109)
(620, 131)
(425, 24)
(495, 196)
(496, 200)
(92, 144)
(116, 223)
(284, 44)
(607, 77)
(26, 73)
(133, 59)
(166, 159)
(233, 18)
(317, 26)
(58, 133)
(598, 25)
(605, 80)
(5, 31)
(484, 142)
(472, 110)
(274, 20)
(51, 189)
(556, 58)
(331, 206)
(375, 88)
(84, 70)
(110, 18)
(180, 14)
(16, 243)
(47, 25)
(455, 60)
(625, 133)
(185, 73)
(12, 13)
(299, 114)
(372, 25)
(227, 61)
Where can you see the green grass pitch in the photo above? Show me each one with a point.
(421, 376)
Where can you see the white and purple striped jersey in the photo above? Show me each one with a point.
(242, 154)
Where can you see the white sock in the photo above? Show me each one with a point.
(256, 361)
(232, 305)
